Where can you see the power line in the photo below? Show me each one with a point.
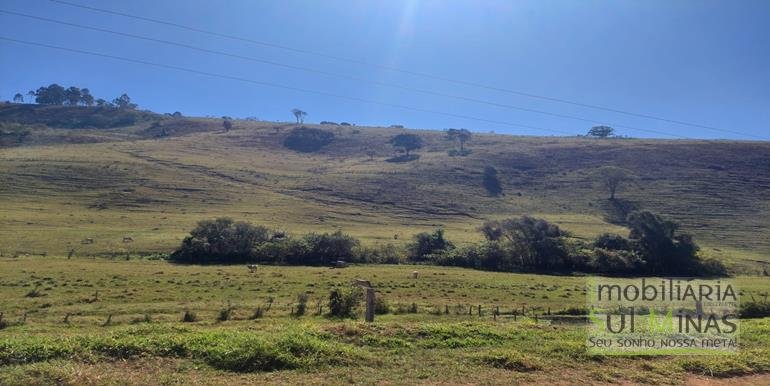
(276, 85)
(400, 70)
(338, 75)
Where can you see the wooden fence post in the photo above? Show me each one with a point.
(370, 304)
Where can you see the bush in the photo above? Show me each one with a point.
(259, 312)
(328, 247)
(308, 140)
(612, 242)
(189, 317)
(221, 241)
(225, 314)
(535, 243)
(301, 304)
(344, 303)
(426, 244)
(491, 182)
(379, 254)
(755, 309)
(381, 307)
(664, 250)
(615, 261)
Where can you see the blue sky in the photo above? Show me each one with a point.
(705, 62)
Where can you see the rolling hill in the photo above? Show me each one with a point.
(73, 173)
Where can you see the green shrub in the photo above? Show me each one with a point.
(491, 182)
(612, 242)
(301, 304)
(381, 306)
(755, 309)
(344, 303)
(225, 314)
(308, 140)
(326, 248)
(426, 244)
(220, 241)
(189, 317)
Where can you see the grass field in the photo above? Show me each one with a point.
(145, 340)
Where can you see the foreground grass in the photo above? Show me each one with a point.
(124, 327)
(323, 351)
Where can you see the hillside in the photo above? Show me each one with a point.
(104, 174)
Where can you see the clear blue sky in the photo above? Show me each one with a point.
(704, 62)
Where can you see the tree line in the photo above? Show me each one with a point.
(653, 246)
(55, 94)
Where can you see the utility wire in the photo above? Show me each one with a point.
(400, 70)
(276, 85)
(338, 75)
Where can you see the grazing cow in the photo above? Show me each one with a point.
(87, 241)
(128, 239)
(252, 267)
(415, 274)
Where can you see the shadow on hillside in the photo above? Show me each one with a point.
(403, 158)
(616, 211)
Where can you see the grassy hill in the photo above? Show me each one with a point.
(104, 174)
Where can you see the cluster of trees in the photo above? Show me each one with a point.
(55, 94)
(524, 244)
(225, 241)
(527, 244)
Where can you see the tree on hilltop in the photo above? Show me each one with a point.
(601, 132)
(459, 135)
(407, 142)
(299, 115)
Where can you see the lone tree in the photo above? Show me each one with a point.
(407, 142)
(459, 135)
(612, 177)
(227, 125)
(601, 132)
(18, 98)
(299, 115)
